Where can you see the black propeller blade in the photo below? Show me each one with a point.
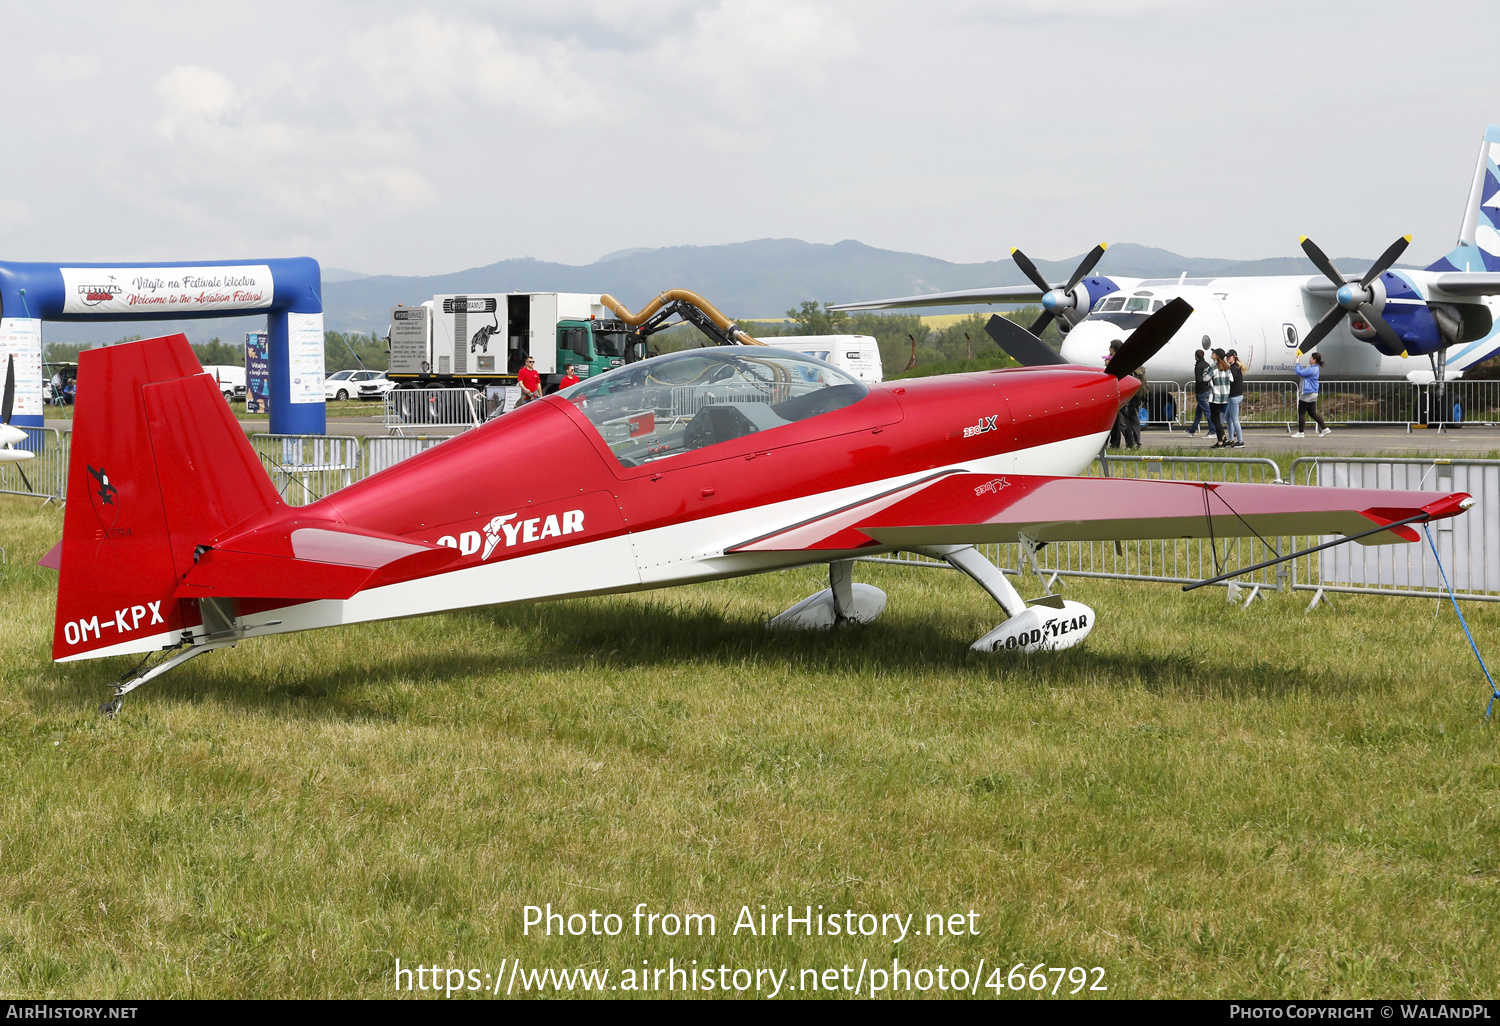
(1147, 340)
(1353, 298)
(1055, 300)
(9, 400)
(7, 406)
(1020, 344)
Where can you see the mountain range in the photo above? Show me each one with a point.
(746, 280)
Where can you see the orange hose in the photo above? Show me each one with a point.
(682, 295)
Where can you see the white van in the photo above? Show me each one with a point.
(855, 354)
(231, 379)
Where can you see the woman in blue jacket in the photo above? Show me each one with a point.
(1307, 403)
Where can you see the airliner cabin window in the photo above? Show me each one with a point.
(673, 404)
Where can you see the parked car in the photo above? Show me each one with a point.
(342, 384)
(376, 387)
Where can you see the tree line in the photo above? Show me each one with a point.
(342, 350)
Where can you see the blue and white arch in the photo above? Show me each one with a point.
(289, 291)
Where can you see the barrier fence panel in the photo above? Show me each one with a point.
(1468, 544)
(433, 407)
(307, 467)
(1269, 402)
(384, 451)
(1368, 402)
(1163, 402)
(45, 475)
(1475, 402)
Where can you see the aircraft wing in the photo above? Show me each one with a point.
(999, 294)
(1469, 283)
(973, 509)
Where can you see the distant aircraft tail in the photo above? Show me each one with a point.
(158, 465)
(1478, 246)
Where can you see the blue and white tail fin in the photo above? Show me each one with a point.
(1478, 246)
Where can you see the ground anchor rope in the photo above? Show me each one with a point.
(1494, 694)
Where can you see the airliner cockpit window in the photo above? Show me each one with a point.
(1138, 304)
(1112, 303)
(672, 404)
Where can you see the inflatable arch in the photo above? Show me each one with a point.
(289, 291)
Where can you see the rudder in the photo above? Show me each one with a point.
(158, 466)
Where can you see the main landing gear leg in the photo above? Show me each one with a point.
(843, 601)
(1047, 624)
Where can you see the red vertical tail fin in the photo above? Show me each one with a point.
(159, 466)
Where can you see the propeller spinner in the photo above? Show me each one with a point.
(1354, 297)
(1064, 302)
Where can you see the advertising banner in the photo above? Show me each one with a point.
(165, 290)
(304, 335)
(409, 341)
(22, 337)
(257, 372)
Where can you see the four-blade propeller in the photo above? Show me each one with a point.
(1353, 297)
(1055, 302)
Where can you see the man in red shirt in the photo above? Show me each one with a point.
(569, 379)
(530, 381)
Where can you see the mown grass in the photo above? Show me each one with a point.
(1202, 799)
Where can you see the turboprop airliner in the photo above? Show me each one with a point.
(1369, 322)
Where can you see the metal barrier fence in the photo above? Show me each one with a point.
(45, 475)
(1347, 402)
(433, 407)
(1469, 545)
(383, 452)
(305, 468)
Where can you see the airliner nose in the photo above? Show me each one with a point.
(1088, 343)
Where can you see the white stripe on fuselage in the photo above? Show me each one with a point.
(677, 554)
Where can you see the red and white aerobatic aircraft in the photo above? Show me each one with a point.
(699, 465)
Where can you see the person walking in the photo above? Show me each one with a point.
(1307, 402)
(1236, 397)
(1220, 380)
(569, 379)
(1200, 387)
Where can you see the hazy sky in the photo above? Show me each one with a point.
(419, 138)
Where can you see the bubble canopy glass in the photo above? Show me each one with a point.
(684, 401)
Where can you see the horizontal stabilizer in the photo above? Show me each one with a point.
(308, 560)
(973, 509)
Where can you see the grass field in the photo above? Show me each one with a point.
(1202, 799)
